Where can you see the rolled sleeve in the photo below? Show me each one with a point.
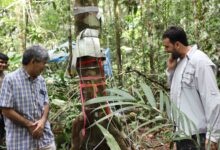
(6, 99)
(210, 96)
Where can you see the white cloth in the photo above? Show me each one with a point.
(87, 44)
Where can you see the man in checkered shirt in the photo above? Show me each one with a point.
(24, 104)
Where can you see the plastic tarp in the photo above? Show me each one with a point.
(60, 53)
(107, 64)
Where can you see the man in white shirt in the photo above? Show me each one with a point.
(193, 88)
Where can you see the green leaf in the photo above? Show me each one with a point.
(161, 102)
(112, 114)
(149, 94)
(181, 117)
(58, 102)
(168, 107)
(106, 99)
(120, 93)
(113, 145)
(124, 104)
(139, 95)
(195, 129)
(182, 121)
(188, 123)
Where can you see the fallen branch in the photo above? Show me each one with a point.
(129, 70)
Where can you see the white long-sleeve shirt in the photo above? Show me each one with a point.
(195, 92)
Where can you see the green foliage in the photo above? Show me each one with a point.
(113, 145)
(142, 32)
(142, 24)
(150, 113)
(15, 60)
(149, 95)
(64, 103)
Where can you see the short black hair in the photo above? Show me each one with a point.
(3, 57)
(36, 52)
(175, 34)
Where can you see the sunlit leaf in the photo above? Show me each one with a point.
(113, 145)
(161, 101)
(107, 99)
(121, 93)
(149, 94)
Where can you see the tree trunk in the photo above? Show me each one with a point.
(196, 20)
(25, 30)
(92, 84)
(24, 25)
(143, 41)
(70, 38)
(118, 40)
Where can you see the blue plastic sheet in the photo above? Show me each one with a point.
(107, 64)
(60, 54)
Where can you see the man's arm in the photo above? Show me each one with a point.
(210, 97)
(17, 118)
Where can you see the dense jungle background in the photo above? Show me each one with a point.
(132, 30)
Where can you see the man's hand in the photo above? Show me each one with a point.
(39, 128)
(213, 146)
(31, 127)
(171, 63)
(40, 124)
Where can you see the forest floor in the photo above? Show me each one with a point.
(154, 144)
(156, 141)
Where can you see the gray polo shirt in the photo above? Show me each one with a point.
(195, 92)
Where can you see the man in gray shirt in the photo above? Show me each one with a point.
(193, 89)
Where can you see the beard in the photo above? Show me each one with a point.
(175, 55)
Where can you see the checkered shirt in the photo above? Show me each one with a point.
(27, 97)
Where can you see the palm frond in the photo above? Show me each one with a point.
(113, 145)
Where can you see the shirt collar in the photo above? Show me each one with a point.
(26, 75)
(191, 51)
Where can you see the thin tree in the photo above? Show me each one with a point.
(118, 40)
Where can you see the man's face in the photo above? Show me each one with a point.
(37, 68)
(169, 46)
(3, 65)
